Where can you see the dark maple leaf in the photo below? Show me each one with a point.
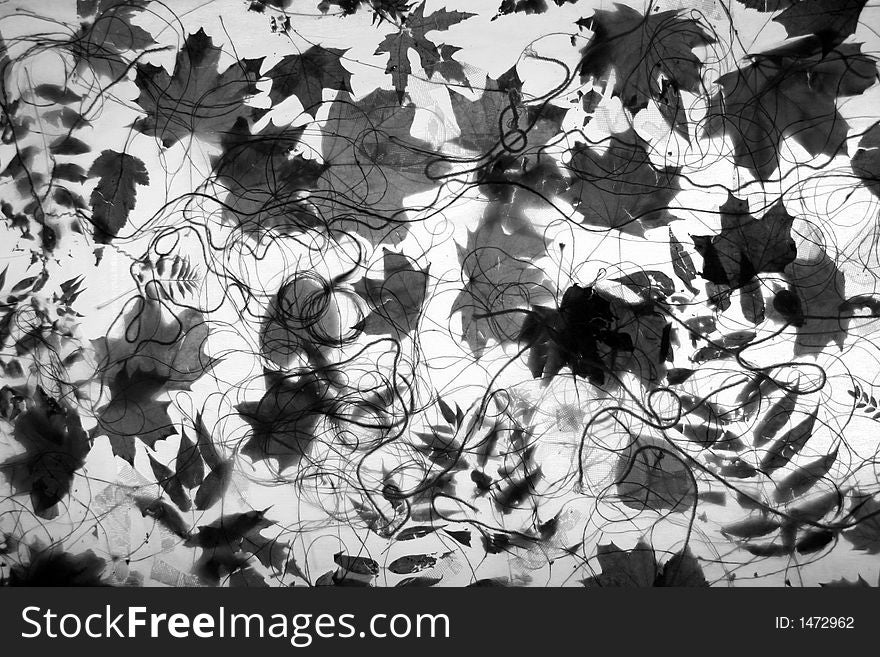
(229, 543)
(285, 421)
(52, 566)
(189, 468)
(448, 68)
(642, 48)
(196, 99)
(156, 353)
(638, 568)
(746, 246)
(788, 92)
(134, 411)
(372, 163)
(815, 303)
(650, 477)
(307, 75)
(500, 280)
(397, 300)
(267, 189)
(55, 447)
(501, 120)
(594, 334)
(864, 511)
(393, 11)
(527, 6)
(411, 36)
(115, 195)
(106, 32)
(830, 20)
(620, 188)
(866, 161)
(170, 483)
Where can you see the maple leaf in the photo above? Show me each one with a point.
(154, 355)
(106, 32)
(594, 333)
(133, 411)
(52, 566)
(115, 195)
(372, 163)
(55, 448)
(393, 11)
(638, 568)
(500, 277)
(865, 534)
(397, 300)
(411, 36)
(818, 312)
(229, 543)
(285, 421)
(307, 75)
(527, 6)
(266, 187)
(787, 92)
(830, 20)
(196, 99)
(500, 121)
(448, 68)
(620, 188)
(641, 48)
(746, 246)
(866, 161)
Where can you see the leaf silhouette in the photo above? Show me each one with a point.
(265, 188)
(804, 478)
(594, 333)
(372, 163)
(396, 301)
(54, 567)
(785, 89)
(115, 195)
(831, 20)
(412, 563)
(775, 418)
(649, 477)
(788, 445)
(215, 485)
(746, 246)
(155, 353)
(171, 484)
(165, 515)
(106, 32)
(230, 542)
(284, 422)
(411, 36)
(865, 534)
(55, 447)
(306, 75)
(639, 49)
(189, 468)
(196, 99)
(638, 568)
(620, 188)
(819, 312)
(752, 527)
(499, 275)
(527, 6)
(133, 411)
(866, 161)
